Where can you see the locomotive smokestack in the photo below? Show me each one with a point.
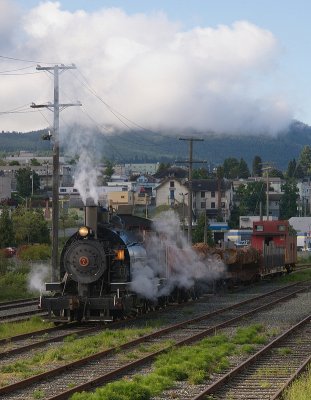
(90, 215)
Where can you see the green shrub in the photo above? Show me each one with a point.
(35, 252)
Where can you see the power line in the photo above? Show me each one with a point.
(17, 69)
(24, 60)
(21, 74)
(113, 111)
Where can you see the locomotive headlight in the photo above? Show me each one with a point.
(119, 255)
(84, 231)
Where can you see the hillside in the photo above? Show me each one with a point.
(151, 147)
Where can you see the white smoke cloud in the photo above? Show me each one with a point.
(37, 277)
(147, 68)
(86, 176)
(169, 256)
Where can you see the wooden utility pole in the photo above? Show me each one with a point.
(267, 167)
(190, 162)
(56, 107)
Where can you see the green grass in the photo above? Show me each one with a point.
(300, 389)
(72, 349)
(10, 329)
(296, 276)
(192, 363)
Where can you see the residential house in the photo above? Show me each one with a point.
(212, 196)
(171, 191)
(208, 195)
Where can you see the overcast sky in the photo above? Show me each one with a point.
(167, 65)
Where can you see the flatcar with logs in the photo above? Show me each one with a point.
(272, 251)
(105, 265)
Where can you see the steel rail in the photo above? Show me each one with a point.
(233, 373)
(97, 356)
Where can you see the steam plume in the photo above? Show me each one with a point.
(186, 268)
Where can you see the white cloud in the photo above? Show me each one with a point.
(149, 70)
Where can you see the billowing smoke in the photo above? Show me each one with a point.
(80, 145)
(169, 256)
(38, 275)
(166, 79)
(86, 176)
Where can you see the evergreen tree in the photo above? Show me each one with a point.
(6, 229)
(234, 221)
(243, 169)
(109, 169)
(294, 170)
(24, 183)
(231, 168)
(305, 160)
(250, 196)
(288, 202)
(163, 166)
(257, 166)
(291, 168)
(200, 173)
(276, 173)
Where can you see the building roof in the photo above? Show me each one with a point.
(172, 172)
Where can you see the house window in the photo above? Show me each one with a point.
(172, 184)
(202, 195)
(212, 194)
(122, 197)
(203, 204)
(259, 228)
(62, 190)
(212, 205)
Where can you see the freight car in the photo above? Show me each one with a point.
(272, 251)
(114, 267)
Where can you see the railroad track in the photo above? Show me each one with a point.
(19, 310)
(266, 374)
(15, 345)
(107, 365)
(7, 305)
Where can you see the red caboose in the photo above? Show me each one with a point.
(276, 241)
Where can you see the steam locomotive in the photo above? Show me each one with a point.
(108, 271)
(96, 268)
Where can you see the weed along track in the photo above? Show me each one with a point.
(266, 373)
(78, 364)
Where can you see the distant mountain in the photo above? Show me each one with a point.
(150, 147)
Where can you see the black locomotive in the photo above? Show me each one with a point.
(95, 269)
